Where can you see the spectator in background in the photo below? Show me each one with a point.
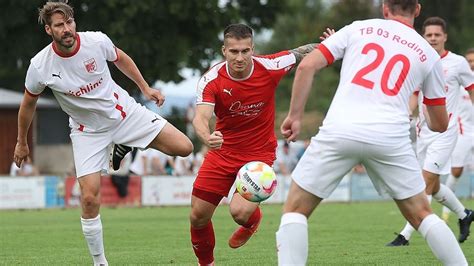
(190, 111)
(26, 169)
(183, 165)
(303, 149)
(286, 160)
(149, 162)
(199, 158)
(121, 177)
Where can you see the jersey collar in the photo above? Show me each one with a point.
(61, 54)
(244, 78)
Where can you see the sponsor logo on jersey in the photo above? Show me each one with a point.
(90, 65)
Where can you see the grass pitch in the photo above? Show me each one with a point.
(339, 234)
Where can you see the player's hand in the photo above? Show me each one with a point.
(290, 128)
(21, 153)
(327, 33)
(154, 95)
(215, 140)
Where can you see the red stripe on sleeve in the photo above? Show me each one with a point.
(470, 87)
(30, 93)
(436, 101)
(326, 53)
(116, 52)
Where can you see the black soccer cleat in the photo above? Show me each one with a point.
(400, 240)
(464, 225)
(118, 154)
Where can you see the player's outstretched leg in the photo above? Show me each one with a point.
(436, 232)
(403, 238)
(248, 215)
(90, 218)
(118, 154)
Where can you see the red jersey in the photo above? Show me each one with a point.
(245, 108)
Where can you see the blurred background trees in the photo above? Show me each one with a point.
(168, 35)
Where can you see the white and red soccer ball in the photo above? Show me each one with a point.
(256, 181)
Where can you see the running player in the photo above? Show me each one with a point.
(462, 151)
(434, 149)
(241, 93)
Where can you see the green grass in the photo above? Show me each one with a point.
(340, 234)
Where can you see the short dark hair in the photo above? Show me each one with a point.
(238, 31)
(400, 7)
(434, 21)
(51, 8)
(470, 51)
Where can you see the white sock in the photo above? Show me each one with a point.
(408, 229)
(292, 239)
(451, 182)
(447, 197)
(441, 240)
(92, 229)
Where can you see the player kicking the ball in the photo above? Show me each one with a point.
(74, 67)
(241, 93)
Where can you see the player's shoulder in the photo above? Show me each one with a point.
(454, 57)
(92, 36)
(211, 75)
(42, 56)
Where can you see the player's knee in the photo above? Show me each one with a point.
(186, 148)
(198, 219)
(240, 214)
(90, 201)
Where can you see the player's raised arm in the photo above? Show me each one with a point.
(309, 66)
(25, 116)
(303, 50)
(128, 67)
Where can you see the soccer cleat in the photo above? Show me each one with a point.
(118, 154)
(464, 225)
(400, 240)
(243, 234)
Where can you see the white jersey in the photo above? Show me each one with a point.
(457, 73)
(383, 62)
(81, 82)
(465, 115)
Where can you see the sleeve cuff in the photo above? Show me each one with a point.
(31, 94)
(436, 101)
(326, 53)
(470, 87)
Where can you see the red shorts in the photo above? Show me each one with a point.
(219, 169)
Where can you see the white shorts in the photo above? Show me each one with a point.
(434, 150)
(462, 151)
(91, 149)
(393, 169)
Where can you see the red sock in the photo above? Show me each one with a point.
(203, 241)
(254, 218)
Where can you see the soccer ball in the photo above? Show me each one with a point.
(256, 181)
